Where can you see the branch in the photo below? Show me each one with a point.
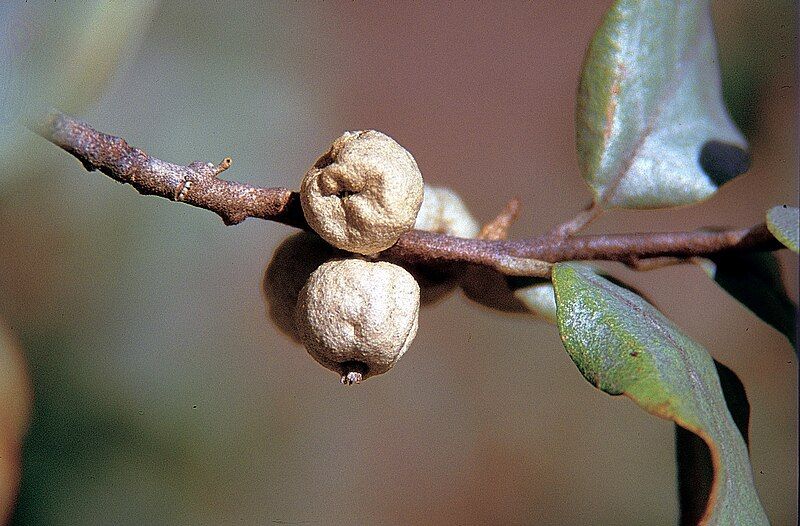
(198, 184)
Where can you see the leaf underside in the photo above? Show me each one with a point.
(538, 297)
(652, 128)
(623, 345)
(784, 223)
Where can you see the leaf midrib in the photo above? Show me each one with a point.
(687, 59)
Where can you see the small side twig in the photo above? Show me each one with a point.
(498, 227)
(577, 223)
(198, 184)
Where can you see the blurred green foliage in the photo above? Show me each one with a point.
(61, 55)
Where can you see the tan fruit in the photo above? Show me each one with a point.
(288, 271)
(444, 212)
(357, 317)
(363, 194)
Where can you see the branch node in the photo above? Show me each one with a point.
(517, 266)
(233, 219)
(182, 190)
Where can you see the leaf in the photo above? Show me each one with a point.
(623, 345)
(754, 279)
(695, 465)
(538, 297)
(784, 223)
(652, 128)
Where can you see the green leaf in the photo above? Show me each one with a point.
(755, 280)
(538, 296)
(695, 464)
(623, 345)
(784, 223)
(652, 128)
(60, 55)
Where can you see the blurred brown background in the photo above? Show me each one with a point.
(164, 396)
